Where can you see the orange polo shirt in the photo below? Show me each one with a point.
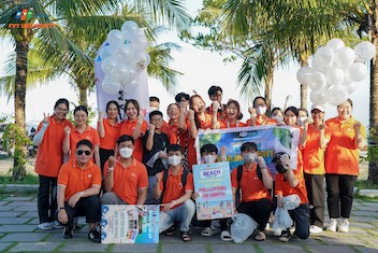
(283, 187)
(313, 155)
(174, 134)
(173, 187)
(128, 180)
(111, 135)
(342, 155)
(226, 124)
(264, 121)
(50, 152)
(76, 179)
(252, 187)
(127, 127)
(89, 134)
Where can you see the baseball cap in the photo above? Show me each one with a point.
(318, 107)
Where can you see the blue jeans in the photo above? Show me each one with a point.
(182, 214)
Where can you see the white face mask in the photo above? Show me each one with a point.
(210, 159)
(174, 160)
(278, 118)
(261, 110)
(302, 121)
(125, 152)
(249, 157)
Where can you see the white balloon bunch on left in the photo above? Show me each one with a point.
(335, 71)
(123, 57)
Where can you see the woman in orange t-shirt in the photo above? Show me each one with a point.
(108, 131)
(231, 118)
(175, 135)
(134, 125)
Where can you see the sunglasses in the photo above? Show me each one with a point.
(86, 152)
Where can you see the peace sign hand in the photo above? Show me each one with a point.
(46, 118)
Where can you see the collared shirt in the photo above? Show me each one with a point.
(111, 135)
(263, 121)
(89, 134)
(283, 186)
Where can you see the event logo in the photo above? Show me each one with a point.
(26, 15)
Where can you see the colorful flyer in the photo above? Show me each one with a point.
(213, 184)
(130, 224)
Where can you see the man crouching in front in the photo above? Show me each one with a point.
(79, 184)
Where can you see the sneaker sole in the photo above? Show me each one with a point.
(284, 239)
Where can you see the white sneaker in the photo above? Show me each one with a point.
(344, 227)
(332, 225)
(315, 229)
(45, 226)
(209, 231)
(56, 224)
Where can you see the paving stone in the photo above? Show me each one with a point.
(136, 248)
(361, 218)
(35, 247)
(334, 249)
(368, 208)
(5, 221)
(343, 241)
(17, 228)
(371, 204)
(187, 248)
(365, 213)
(281, 247)
(373, 241)
(23, 237)
(19, 198)
(366, 249)
(233, 248)
(360, 225)
(372, 193)
(4, 245)
(83, 246)
(18, 204)
(30, 214)
(28, 208)
(10, 214)
(34, 221)
(6, 208)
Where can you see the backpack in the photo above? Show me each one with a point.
(239, 175)
(184, 176)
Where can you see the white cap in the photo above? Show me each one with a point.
(318, 107)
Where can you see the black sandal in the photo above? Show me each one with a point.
(171, 231)
(185, 236)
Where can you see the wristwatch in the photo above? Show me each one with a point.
(60, 208)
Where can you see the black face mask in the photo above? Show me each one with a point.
(277, 161)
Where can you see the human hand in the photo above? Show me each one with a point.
(357, 126)
(74, 199)
(46, 118)
(112, 161)
(151, 128)
(67, 130)
(191, 113)
(252, 111)
(62, 216)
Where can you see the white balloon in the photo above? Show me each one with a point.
(108, 64)
(320, 67)
(352, 87)
(114, 37)
(110, 86)
(131, 77)
(337, 95)
(324, 55)
(120, 72)
(129, 88)
(318, 97)
(128, 37)
(303, 74)
(129, 25)
(316, 81)
(140, 45)
(123, 52)
(106, 52)
(344, 57)
(139, 62)
(356, 72)
(365, 51)
(335, 76)
(335, 44)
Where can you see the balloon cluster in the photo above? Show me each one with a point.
(123, 57)
(335, 71)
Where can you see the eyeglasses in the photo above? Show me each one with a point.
(316, 113)
(86, 152)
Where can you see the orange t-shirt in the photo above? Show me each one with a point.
(50, 152)
(76, 179)
(111, 135)
(264, 121)
(313, 155)
(342, 154)
(127, 127)
(283, 187)
(251, 185)
(89, 134)
(174, 134)
(128, 180)
(226, 124)
(173, 187)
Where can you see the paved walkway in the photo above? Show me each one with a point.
(18, 233)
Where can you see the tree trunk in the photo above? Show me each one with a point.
(268, 90)
(83, 95)
(22, 49)
(303, 92)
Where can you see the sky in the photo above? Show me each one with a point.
(201, 70)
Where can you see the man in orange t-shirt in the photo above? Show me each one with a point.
(175, 196)
(125, 179)
(79, 184)
(290, 182)
(255, 198)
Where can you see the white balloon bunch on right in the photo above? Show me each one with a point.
(335, 71)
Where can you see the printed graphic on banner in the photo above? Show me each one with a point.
(130, 224)
(269, 139)
(213, 184)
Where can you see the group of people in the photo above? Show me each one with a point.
(133, 162)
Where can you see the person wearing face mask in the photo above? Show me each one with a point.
(125, 178)
(302, 117)
(175, 193)
(255, 184)
(347, 138)
(257, 113)
(215, 95)
(289, 182)
(277, 115)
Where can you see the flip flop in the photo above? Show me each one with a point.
(171, 231)
(185, 236)
(225, 236)
(260, 236)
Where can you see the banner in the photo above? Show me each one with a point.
(269, 139)
(213, 184)
(130, 224)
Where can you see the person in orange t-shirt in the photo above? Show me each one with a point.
(175, 197)
(313, 167)
(135, 126)
(290, 182)
(215, 95)
(108, 131)
(232, 116)
(49, 139)
(175, 135)
(80, 132)
(79, 184)
(125, 178)
(257, 113)
(347, 138)
(255, 197)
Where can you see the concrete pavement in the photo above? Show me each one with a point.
(19, 233)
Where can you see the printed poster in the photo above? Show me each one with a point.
(213, 184)
(130, 224)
